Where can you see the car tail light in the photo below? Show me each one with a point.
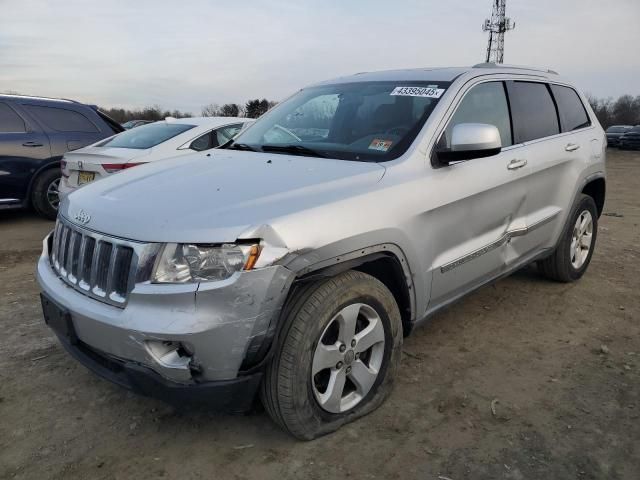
(116, 167)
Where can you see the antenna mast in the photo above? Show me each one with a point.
(497, 26)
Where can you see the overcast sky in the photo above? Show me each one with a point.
(185, 54)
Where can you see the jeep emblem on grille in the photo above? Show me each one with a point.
(82, 216)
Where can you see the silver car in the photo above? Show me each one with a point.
(291, 264)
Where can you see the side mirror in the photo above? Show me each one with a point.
(471, 140)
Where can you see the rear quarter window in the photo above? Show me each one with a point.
(10, 121)
(61, 119)
(572, 112)
(533, 111)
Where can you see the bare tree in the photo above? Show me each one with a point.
(211, 110)
(623, 111)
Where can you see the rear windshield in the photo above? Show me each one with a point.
(365, 121)
(146, 136)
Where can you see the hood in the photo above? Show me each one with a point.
(104, 155)
(214, 197)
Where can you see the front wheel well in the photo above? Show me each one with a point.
(596, 189)
(385, 267)
(388, 270)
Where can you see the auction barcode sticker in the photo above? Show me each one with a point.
(427, 92)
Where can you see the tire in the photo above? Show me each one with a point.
(292, 396)
(41, 196)
(567, 264)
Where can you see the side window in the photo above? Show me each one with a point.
(533, 110)
(224, 134)
(10, 121)
(484, 103)
(61, 119)
(572, 112)
(215, 138)
(201, 143)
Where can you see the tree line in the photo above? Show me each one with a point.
(625, 110)
(252, 109)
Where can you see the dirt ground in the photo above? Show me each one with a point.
(558, 364)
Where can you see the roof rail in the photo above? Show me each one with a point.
(513, 67)
(35, 97)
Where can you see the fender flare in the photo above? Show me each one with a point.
(355, 258)
(324, 269)
(576, 196)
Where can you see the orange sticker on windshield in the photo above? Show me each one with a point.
(380, 145)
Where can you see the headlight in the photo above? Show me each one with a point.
(184, 263)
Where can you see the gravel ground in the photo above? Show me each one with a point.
(524, 379)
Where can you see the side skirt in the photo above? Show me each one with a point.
(517, 266)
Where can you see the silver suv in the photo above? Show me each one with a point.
(292, 263)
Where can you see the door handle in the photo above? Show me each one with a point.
(516, 163)
(571, 147)
(31, 144)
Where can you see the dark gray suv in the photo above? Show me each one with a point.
(34, 134)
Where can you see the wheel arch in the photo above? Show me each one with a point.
(596, 189)
(385, 262)
(52, 163)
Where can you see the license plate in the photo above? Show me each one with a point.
(58, 319)
(86, 177)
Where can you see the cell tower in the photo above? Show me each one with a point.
(497, 26)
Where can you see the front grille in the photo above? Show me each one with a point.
(96, 265)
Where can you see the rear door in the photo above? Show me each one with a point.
(67, 127)
(481, 201)
(23, 149)
(555, 128)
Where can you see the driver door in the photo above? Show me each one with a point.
(479, 201)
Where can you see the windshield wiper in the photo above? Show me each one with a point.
(241, 146)
(294, 149)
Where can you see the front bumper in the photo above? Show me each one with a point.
(235, 395)
(218, 324)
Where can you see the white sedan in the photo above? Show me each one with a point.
(148, 143)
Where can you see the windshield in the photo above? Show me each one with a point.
(367, 121)
(146, 136)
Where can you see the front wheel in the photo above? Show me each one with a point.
(337, 355)
(572, 256)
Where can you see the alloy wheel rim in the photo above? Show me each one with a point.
(53, 196)
(581, 239)
(348, 358)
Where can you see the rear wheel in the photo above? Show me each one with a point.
(573, 255)
(44, 195)
(337, 356)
